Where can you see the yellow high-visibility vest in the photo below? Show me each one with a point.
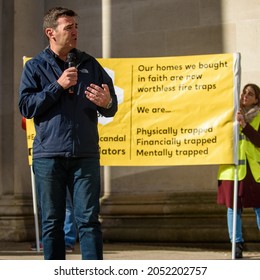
(248, 152)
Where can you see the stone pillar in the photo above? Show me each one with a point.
(21, 34)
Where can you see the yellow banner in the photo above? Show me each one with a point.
(172, 111)
(30, 134)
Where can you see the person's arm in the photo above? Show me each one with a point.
(36, 97)
(252, 134)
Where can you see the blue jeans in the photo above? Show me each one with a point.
(70, 229)
(257, 214)
(82, 176)
(239, 234)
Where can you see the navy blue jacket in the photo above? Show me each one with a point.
(66, 126)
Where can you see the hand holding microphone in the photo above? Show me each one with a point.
(69, 77)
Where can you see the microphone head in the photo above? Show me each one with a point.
(71, 57)
(71, 60)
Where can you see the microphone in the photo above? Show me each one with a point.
(71, 58)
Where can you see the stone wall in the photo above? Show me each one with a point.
(158, 204)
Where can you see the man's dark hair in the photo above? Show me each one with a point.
(51, 17)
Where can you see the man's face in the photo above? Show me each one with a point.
(66, 33)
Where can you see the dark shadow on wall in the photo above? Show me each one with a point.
(165, 28)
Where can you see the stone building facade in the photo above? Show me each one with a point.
(143, 204)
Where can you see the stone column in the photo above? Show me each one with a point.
(21, 34)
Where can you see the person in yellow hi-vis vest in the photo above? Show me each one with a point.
(248, 118)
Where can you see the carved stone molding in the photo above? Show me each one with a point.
(16, 219)
(174, 218)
